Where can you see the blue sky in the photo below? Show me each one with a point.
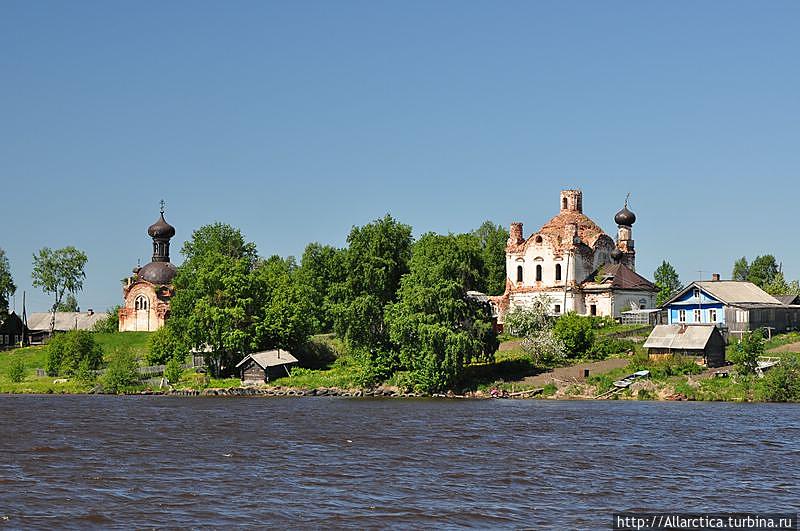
(296, 120)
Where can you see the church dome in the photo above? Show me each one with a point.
(625, 217)
(160, 273)
(161, 229)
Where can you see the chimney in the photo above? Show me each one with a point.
(715, 277)
(515, 234)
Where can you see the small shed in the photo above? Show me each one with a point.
(260, 367)
(697, 341)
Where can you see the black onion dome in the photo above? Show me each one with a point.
(160, 273)
(161, 229)
(616, 254)
(625, 217)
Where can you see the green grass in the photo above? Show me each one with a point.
(33, 358)
(137, 342)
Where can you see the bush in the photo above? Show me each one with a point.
(606, 346)
(66, 351)
(84, 373)
(110, 324)
(16, 372)
(746, 352)
(121, 374)
(576, 333)
(173, 370)
(165, 345)
(782, 382)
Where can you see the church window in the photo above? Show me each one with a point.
(538, 273)
(558, 308)
(141, 303)
(558, 271)
(593, 309)
(564, 203)
(519, 273)
(538, 239)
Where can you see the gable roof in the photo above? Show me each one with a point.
(65, 320)
(734, 292)
(788, 299)
(621, 277)
(680, 337)
(269, 358)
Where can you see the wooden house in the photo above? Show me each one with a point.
(261, 367)
(12, 331)
(701, 342)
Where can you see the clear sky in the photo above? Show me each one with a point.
(296, 120)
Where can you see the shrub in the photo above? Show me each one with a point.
(606, 346)
(576, 333)
(165, 345)
(173, 370)
(782, 382)
(66, 351)
(16, 372)
(121, 373)
(745, 354)
(110, 324)
(84, 373)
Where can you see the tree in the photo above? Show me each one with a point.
(7, 287)
(122, 372)
(435, 325)
(323, 268)
(741, 269)
(492, 240)
(667, 281)
(377, 257)
(65, 352)
(16, 372)
(69, 304)
(534, 324)
(218, 238)
(763, 270)
(166, 345)
(576, 332)
(746, 352)
(110, 324)
(58, 272)
(173, 370)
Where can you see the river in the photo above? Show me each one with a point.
(123, 462)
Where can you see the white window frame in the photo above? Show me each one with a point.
(712, 315)
(698, 316)
(681, 316)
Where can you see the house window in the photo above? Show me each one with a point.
(712, 316)
(519, 273)
(558, 271)
(538, 273)
(642, 304)
(593, 309)
(696, 293)
(697, 316)
(558, 308)
(682, 316)
(141, 303)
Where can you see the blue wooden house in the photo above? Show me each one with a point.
(731, 305)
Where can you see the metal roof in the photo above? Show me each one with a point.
(680, 337)
(733, 292)
(269, 358)
(65, 320)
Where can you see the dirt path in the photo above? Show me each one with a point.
(576, 372)
(790, 347)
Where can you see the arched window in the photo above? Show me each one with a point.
(538, 239)
(141, 303)
(538, 273)
(519, 273)
(558, 271)
(564, 204)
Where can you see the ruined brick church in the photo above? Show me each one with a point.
(575, 265)
(147, 293)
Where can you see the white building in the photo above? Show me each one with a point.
(575, 264)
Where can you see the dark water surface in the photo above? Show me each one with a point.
(138, 462)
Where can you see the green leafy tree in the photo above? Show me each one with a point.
(782, 382)
(576, 332)
(324, 269)
(377, 257)
(58, 272)
(667, 281)
(218, 238)
(122, 372)
(7, 287)
(492, 240)
(66, 351)
(763, 270)
(69, 304)
(436, 326)
(84, 373)
(534, 324)
(286, 317)
(746, 352)
(166, 345)
(16, 372)
(741, 269)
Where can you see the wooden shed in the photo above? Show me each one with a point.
(260, 367)
(697, 341)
